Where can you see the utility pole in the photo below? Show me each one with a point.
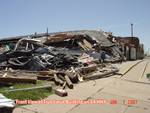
(47, 31)
(131, 29)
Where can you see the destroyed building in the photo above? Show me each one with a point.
(64, 57)
(76, 43)
(54, 39)
(72, 44)
(130, 46)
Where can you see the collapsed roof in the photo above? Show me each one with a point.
(99, 36)
(84, 38)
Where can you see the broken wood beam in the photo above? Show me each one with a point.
(72, 76)
(61, 77)
(61, 82)
(64, 85)
(18, 80)
(44, 73)
(99, 75)
(50, 73)
(61, 92)
(69, 83)
(56, 79)
(48, 78)
(88, 69)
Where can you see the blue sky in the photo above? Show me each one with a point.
(20, 17)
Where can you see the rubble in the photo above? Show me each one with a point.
(61, 92)
(17, 80)
(101, 74)
(64, 57)
(39, 58)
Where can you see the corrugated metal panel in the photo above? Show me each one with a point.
(127, 52)
(140, 52)
(132, 53)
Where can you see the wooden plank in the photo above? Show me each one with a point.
(99, 75)
(87, 44)
(44, 73)
(89, 69)
(69, 83)
(61, 92)
(81, 45)
(61, 82)
(73, 76)
(18, 80)
(45, 78)
(56, 79)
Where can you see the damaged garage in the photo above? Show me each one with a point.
(63, 57)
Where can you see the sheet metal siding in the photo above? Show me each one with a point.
(132, 53)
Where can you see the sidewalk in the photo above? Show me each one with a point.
(81, 91)
(104, 88)
(126, 66)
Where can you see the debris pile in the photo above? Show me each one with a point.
(58, 64)
(29, 54)
(65, 58)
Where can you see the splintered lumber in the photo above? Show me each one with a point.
(18, 80)
(99, 75)
(81, 45)
(72, 76)
(48, 87)
(45, 73)
(61, 77)
(61, 82)
(50, 73)
(64, 85)
(45, 78)
(56, 79)
(5, 74)
(61, 92)
(88, 69)
(69, 83)
(77, 75)
(87, 44)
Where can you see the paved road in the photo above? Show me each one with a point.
(136, 73)
(147, 70)
(128, 93)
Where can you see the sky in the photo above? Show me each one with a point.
(22, 17)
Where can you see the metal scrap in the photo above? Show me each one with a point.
(65, 58)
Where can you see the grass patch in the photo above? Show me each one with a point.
(35, 94)
(148, 75)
